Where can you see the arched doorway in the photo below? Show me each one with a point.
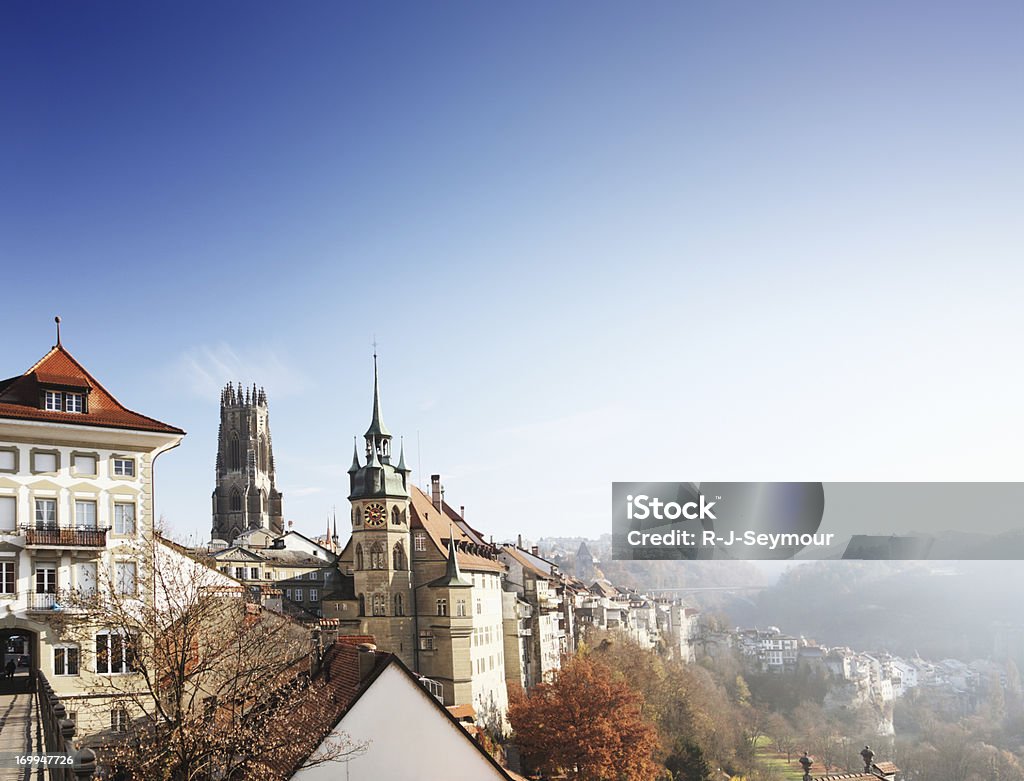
(20, 659)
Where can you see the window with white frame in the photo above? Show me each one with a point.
(8, 513)
(8, 577)
(420, 542)
(298, 595)
(46, 579)
(254, 573)
(124, 518)
(83, 464)
(85, 514)
(314, 595)
(125, 578)
(124, 467)
(74, 402)
(426, 641)
(65, 660)
(115, 653)
(240, 573)
(442, 607)
(380, 602)
(119, 719)
(460, 608)
(46, 512)
(52, 401)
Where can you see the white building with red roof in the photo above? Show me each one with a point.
(76, 499)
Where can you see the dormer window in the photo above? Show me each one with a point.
(60, 401)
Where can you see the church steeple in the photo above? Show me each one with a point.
(378, 476)
(377, 435)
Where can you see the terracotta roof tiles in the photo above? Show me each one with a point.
(20, 397)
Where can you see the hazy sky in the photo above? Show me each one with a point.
(595, 242)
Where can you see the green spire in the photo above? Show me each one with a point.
(377, 428)
(401, 458)
(452, 575)
(355, 458)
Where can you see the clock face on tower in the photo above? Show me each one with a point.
(375, 514)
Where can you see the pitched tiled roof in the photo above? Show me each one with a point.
(20, 397)
(529, 561)
(439, 527)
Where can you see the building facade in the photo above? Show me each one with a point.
(76, 502)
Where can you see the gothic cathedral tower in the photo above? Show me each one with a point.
(379, 495)
(246, 496)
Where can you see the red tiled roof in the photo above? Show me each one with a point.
(19, 397)
(440, 527)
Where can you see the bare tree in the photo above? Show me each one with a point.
(208, 682)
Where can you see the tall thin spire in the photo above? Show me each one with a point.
(355, 457)
(377, 428)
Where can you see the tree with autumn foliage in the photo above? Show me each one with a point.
(587, 724)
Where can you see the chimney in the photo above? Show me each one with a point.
(435, 491)
(367, 660)
(462, 511)
(519, 541)
(535, 550)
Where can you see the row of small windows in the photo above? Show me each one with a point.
(378, 557)
(379, 605)
(124, 577)
(115, 655)
(46, 516)
(49, 462)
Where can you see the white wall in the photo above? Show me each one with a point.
(434, 749)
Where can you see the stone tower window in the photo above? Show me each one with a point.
(442, 607)
(397, 516)
(398, 556)
(236, 500)
(379, 605)
(399, 606)
(234, 459)
(378, 559)
(359, 557)
(362, 605)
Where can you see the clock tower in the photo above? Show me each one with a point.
(381, 544)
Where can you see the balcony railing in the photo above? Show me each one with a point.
(34, 601)
(66, 536)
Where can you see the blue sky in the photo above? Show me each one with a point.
(594, 241)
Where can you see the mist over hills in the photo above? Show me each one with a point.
(939, 609)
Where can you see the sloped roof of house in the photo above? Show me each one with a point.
(440, 526)
(20, 397)
(340, 675)
(527, 561)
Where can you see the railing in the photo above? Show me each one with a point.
(66, 536)
(34, 601)
(59, 734)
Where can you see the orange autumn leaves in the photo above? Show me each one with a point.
(587, 724)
